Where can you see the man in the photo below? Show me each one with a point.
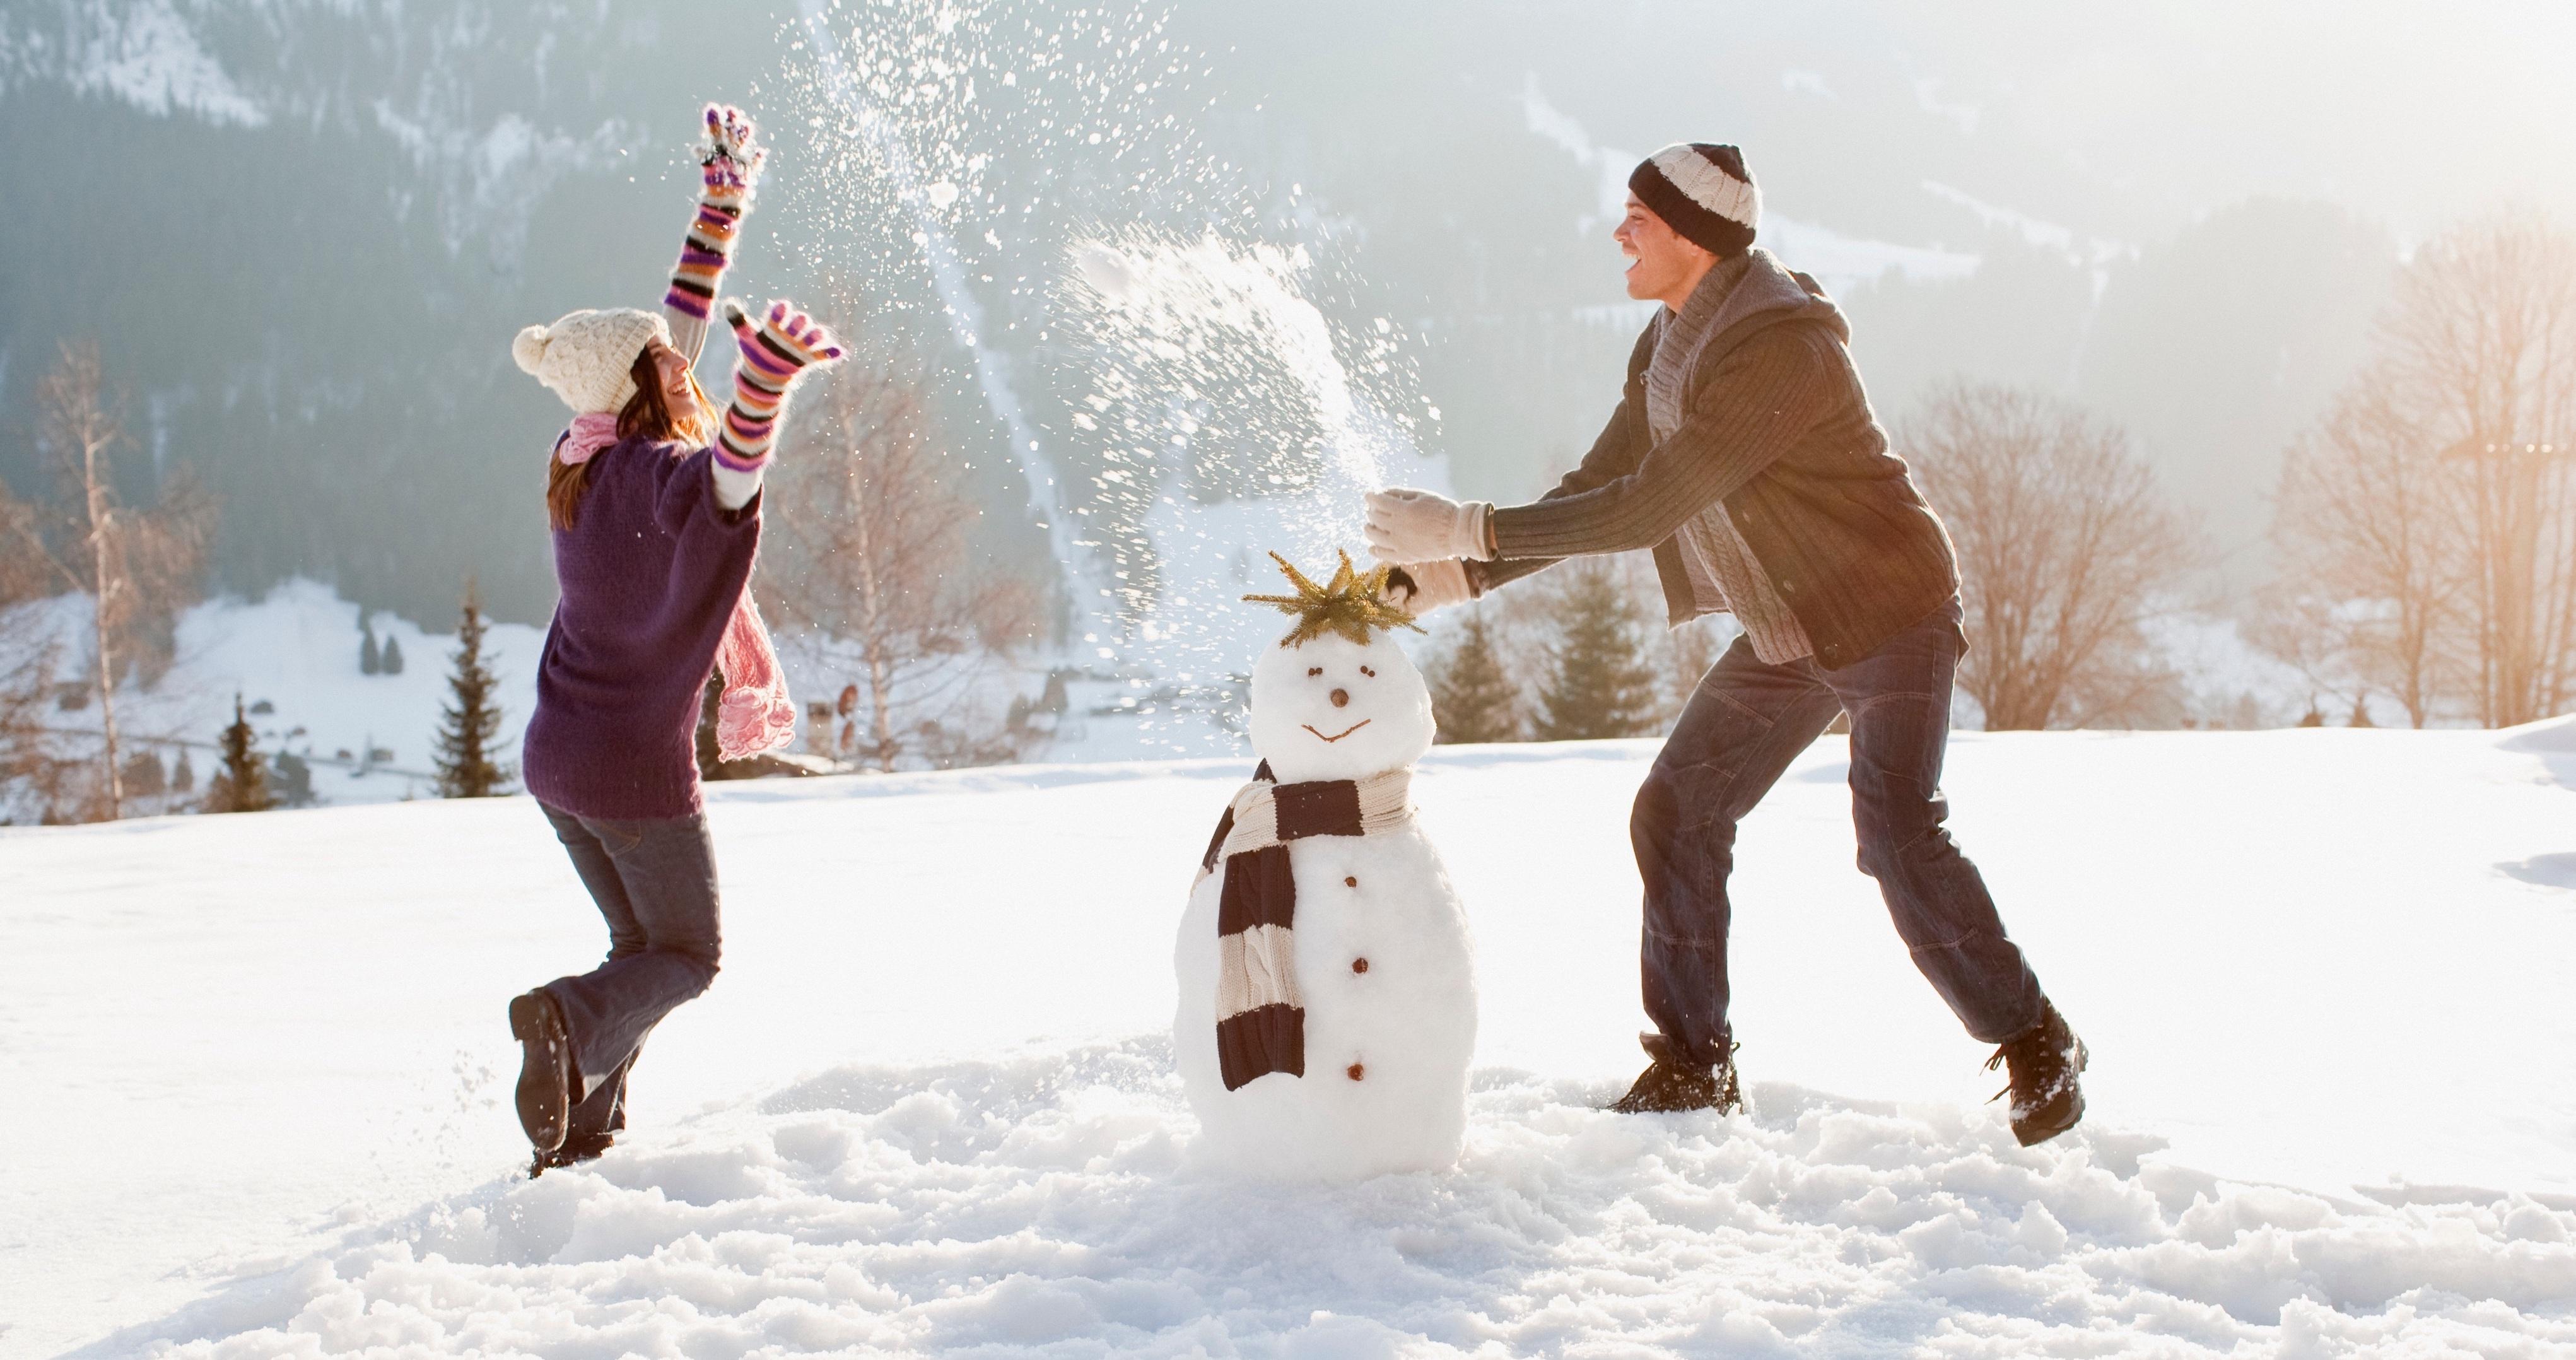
(1744, 453)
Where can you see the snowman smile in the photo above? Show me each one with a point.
(1354, 727)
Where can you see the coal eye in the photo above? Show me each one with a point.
(1367, 672)
(1316, 671)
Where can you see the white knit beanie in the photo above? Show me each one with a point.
(1702, 191)
(588, 357)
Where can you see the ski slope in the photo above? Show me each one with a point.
(256, 1078)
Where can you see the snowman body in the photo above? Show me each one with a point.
(1382, 958)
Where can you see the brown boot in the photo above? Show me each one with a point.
(545, 1069)
(1671, 1084)
(2045, 1061)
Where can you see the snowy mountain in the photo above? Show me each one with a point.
(929, 1105)
(304, 230)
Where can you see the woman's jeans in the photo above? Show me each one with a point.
(1741, 728)
(655, 881)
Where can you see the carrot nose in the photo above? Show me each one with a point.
(1341, 698)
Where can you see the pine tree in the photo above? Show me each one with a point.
(241, 784)
(369, 660)
(293, 786)
(183, 774)
(1472, 696)
(470, 724)
(1601, 683)
(391, 662)
(144, 777)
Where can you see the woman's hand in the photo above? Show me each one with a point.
(730, 167)
(781, 347)
(731, 164)
(1405, 525)
(784, 343)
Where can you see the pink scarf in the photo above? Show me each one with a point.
(754, 714)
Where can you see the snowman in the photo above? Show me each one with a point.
(1328, 991)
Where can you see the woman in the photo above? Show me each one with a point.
(655, 529)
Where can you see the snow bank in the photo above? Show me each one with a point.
(258, 1070)
(1044, 1204)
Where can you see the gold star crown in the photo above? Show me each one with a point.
(1350, 604)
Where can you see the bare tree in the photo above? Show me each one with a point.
(875, 566)
(2428, 527)
(2479, 357)
(2367, 545)
(82, 432)
(30, 767)
(139, 565)
(2067, 548)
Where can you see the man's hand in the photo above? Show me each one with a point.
(1433, 585)
(1406, 525)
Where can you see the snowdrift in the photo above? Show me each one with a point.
(259, 1077)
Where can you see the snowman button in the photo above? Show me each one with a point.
(1355, 1071)
(1350, 883)
(1359, 965)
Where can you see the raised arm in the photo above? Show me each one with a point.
(729, 168)
(780, 348)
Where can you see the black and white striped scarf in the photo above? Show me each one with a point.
(1260, 1018)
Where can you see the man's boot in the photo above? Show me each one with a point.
(576, 1149)
(1672, 1083)
(2045, 1060)
(545, 1069)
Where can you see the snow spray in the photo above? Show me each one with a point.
(1138, 320)
(1233, 429)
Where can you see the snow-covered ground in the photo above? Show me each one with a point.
(257, 1074)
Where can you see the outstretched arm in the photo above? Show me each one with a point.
(729, 167)
(1622, 444)
(782, 347)
(1446, 551)
(1757, 403)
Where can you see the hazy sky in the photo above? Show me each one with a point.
(2413, 113)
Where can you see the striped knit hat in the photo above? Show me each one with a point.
(1702, 191)
(588, 357)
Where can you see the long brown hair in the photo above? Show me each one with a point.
(646, 415)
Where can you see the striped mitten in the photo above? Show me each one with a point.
(730, 167)
(777, 350)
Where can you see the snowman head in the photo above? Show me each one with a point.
(1337, 699)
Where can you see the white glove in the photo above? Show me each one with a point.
(1405, 525)
(1436, 585)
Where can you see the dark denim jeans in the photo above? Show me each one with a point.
(1741, 728)
(655, 881)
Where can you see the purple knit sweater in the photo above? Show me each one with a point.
(648, 575)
